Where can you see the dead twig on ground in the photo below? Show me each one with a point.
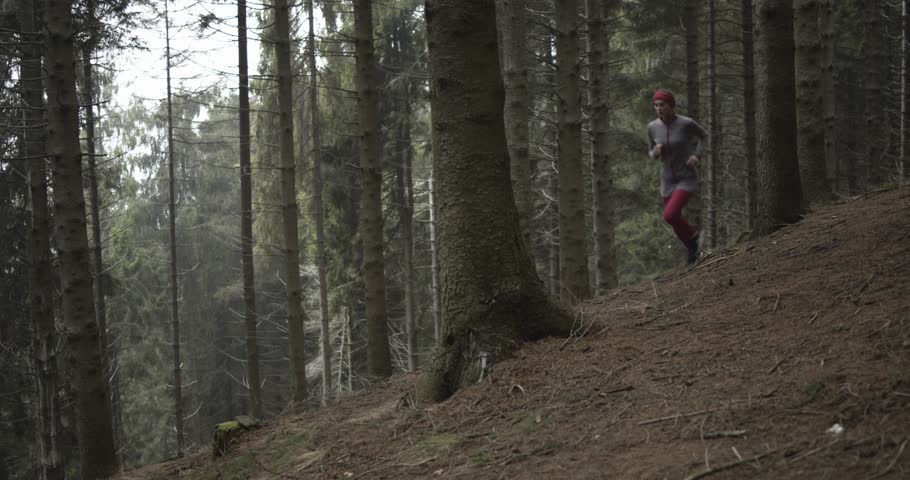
(778, 364)
(725, 434)
(893, 462)
(727, 466)
(678, 416)
(776, 304)
(812, 319)
(813, 451)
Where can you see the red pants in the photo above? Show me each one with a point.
(673, 207)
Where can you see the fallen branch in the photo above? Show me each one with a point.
(726, 434)
(893, 462)
(779, 362)
(813, 451)
(677, 416)
(727, 466)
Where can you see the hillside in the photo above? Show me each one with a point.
(736, 368)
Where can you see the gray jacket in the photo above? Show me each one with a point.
(681, 139)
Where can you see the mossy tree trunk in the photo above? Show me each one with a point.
(490, 294)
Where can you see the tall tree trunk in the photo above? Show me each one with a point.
(246, 221)
(434, 261)
(601, 180)
(573, 260)
(41, 285)
(810, 100)
(379, 359)
(296, 315)
(491, 296)
(779, 191)
(690, 24)
(172, 224)
(877, 69)
(905, 95)
(96, 436)
(405, 200)
(714, 126)
(319, 208)
(828, 91)
(512, 16)
(748, 42)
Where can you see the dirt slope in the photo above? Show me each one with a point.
(753, 354)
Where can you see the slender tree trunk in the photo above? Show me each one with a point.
(810, 101)
(601, 179)
(319, 209)
(246, 221)
(513, 20)
(405, 200)
(492, 298)
(434, 262)
(779, 191)
(573, 260)
(172, 223)
(714, 125)
(296, 315)
(41, 285)
(876, 71)
(748, 42)
(690, 24)
(96, 436)
(828, 91)
(904, 159)
(379, 359)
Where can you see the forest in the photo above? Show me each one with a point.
(350, 190)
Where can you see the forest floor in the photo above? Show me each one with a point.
(737, 367)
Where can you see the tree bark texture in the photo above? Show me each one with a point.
(40, 273)
(877, 70)
(95, 430)
(810, 100)
(490, 294)
(573, 260)
(748, 41)
(690, 24)
(434, 260)
(246, 220)
(172, 236)
(296, 315)
(379, 360)
(512, 22)
(318, 208)
(779, 190)
(828, 93)
(714, 126)
(601, 179)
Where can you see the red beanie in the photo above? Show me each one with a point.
(665, 96)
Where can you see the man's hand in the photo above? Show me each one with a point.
(692, 162)
(658, 150)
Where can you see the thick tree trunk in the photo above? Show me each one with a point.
(379, 360)
(512, 16)
(573, 260)
(246, 221)
(491, 296)
(318, 209)
(601, 179)
(748, 42)
(779, 191)
(172, 229)
(41, 285)
(877, 70)
(96, 437)
(810, 101)
(434, 261)
(296, 315)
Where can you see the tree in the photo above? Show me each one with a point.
(512, 26)
(379, 359)
(573, 260)
(296, 315)
(601, 178)
(905, 95)
(779, 191)
(95, 431)
(491, 297)
(172, 247)
(246, 219)
(714, 127)
(690, 24)
(41, 285)
(810, 100)
(748, 42)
